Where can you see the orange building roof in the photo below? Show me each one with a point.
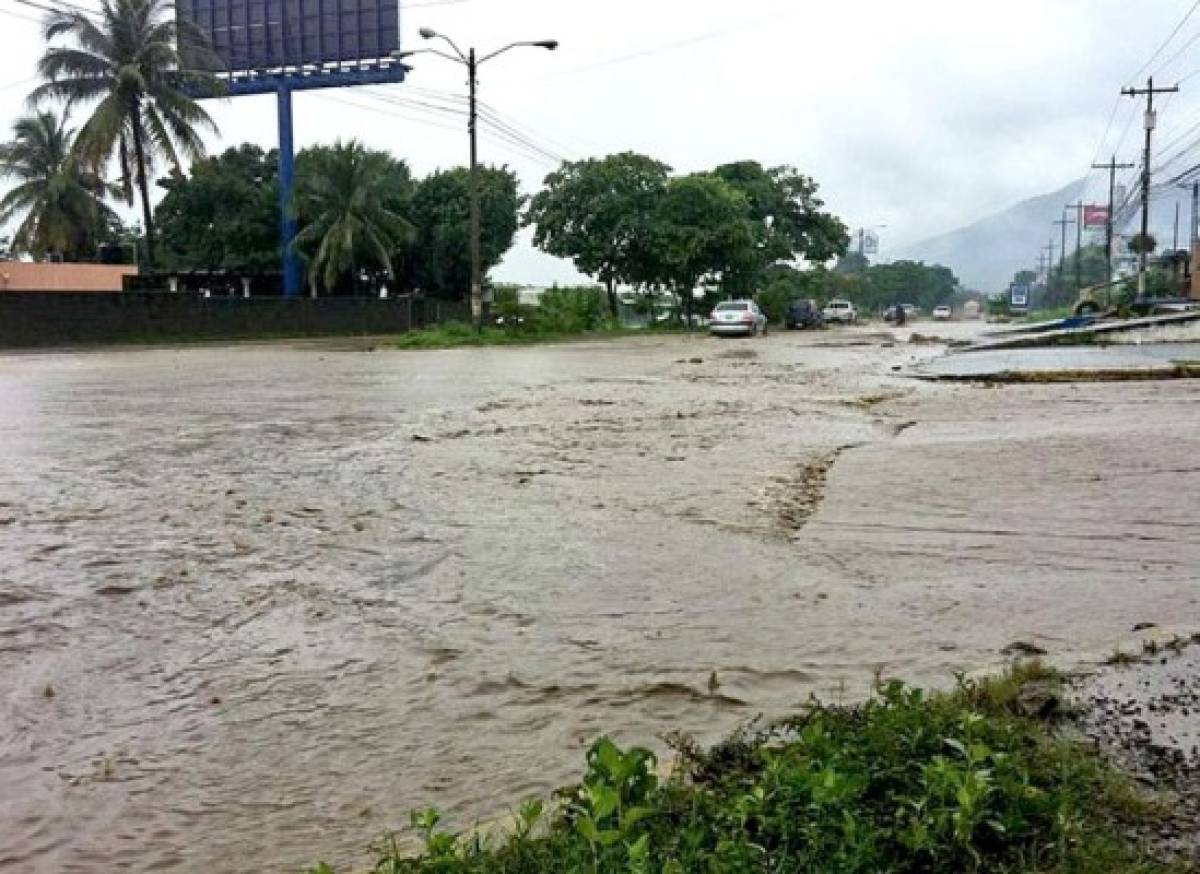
(26, 276)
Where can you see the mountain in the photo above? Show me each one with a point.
(985, 255)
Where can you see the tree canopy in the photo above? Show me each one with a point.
(701, 230)
(786, 220)
(624, 219)
(438, 259)
(600, 214)
(127, 65)
(225, 215)
(57, 201)
(350, 201)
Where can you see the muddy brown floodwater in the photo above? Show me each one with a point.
(259, 602)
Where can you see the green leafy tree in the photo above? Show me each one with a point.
(926, 285)
(600, 213)
(702, 231)
(852, 263)
(1093, 270)
(786, 220)
(225, 214)
(349, 202)
(438, 259)
(128, 66)
(784, 284)
(59, 202)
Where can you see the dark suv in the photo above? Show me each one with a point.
(803, 314)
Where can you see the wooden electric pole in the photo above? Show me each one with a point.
(1150, 123)
(1112, 167)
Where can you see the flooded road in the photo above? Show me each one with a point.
(258, 602)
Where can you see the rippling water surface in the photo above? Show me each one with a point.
(257, 603)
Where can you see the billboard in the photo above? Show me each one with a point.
(1095, 216)
(869, 242)
(1019, 296)
(259, 35)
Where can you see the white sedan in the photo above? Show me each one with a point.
(942, 313)
(737, 317)
(840, 311)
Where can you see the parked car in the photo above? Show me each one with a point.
(803, 314)
(910, 312)
(942, 313)
(737, 317)
(840, 311)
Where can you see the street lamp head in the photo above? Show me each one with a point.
(427, 33)
(550, 44)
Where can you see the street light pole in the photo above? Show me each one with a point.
(472, 62)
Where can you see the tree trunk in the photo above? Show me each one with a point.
(612, 297)
(139, 154)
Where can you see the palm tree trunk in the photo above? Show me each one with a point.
(143, 184)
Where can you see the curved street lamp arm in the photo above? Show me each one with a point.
(454, 46)
(400, 56)
(543, 44)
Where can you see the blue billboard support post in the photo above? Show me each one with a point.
(280, 46)
(292, 273)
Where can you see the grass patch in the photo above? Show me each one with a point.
(907, 782)
(1050, 315)
(455, 334)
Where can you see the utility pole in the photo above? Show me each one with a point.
(1112, 167)
(472, 63)
(1078, 207)
(1063, 222)
(1193, 228)
(1175, 240)
(1195, 218)
(1049, 247)
(1151, 121)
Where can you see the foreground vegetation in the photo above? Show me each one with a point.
(907, 782)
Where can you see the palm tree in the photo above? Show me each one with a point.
(347, 200)
(128, 64)
(60, 199)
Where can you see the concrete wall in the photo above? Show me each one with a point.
(69, 319)
(75, 278)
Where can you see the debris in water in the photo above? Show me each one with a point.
(1022, 648)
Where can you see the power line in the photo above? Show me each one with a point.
(59, 9)
(12, 14)
(535, 150)
(485, 108)
(1178, 27)
(505, 145)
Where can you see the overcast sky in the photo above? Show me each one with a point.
(922, 115)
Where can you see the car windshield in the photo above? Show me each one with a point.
(735, 306)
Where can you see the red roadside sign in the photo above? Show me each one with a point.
(1095, 216)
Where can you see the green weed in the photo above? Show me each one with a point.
(907, 782)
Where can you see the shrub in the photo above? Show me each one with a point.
(904, 783)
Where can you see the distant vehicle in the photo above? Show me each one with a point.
(942, 313)
(972, 309)
(910, 312)
(840, 311)
(803, 314)
(737, 317)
